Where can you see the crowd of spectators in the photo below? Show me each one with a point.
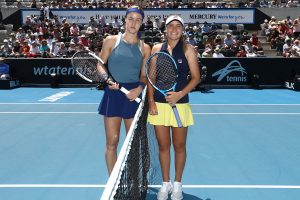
(46, 36)
(283, 35)
(93, 4)
(206, 40)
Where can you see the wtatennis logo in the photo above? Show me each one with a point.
(44, 71)
(234, 67)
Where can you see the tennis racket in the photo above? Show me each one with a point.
(92, 69)
(161, 71)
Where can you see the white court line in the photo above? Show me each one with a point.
(48, 112)
(246, 113)
(236, 113)
(203, 104)
(245, 104)
(46, 103)
(51, 186)
(151, 186)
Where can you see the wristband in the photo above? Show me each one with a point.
(142, 84)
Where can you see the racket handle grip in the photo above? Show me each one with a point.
(179, 123)
(125, 91)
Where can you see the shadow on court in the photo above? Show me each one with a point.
(152, 195)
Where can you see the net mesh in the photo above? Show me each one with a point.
(133, 171)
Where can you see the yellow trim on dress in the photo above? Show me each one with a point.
(166, 117)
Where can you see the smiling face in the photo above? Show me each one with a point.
(133, 22)
(174, 30)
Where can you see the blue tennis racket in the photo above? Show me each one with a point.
(161, 71)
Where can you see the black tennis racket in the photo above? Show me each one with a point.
(161, 71)
(92, 69)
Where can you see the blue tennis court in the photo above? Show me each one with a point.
(244, 145)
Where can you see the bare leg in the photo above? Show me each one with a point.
(112, 129)
(164, 142)
(128, 123)
(179, 142)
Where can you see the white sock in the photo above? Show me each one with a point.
(177, 186)
(165, 186)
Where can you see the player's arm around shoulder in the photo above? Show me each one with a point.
(108, 45)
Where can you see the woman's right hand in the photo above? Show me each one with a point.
(113, 86)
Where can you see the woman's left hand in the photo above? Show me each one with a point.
(134, 93)
(173, 97)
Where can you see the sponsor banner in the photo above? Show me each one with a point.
(232, 72)
(9, 84)
(219, 16)
(242, 71)
(220, 71)
(293, 84)
(41, 70)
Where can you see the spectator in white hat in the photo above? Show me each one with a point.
(217, 53)
(5, 49)
(273, 19)
(54, 49)
(63, 51)
(265, 27)
(34, 50)
(229, 41)
(296, 28)
(72, 49)
(156, 23)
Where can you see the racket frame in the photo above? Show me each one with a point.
(164, 92)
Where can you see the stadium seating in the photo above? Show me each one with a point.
(152, 36)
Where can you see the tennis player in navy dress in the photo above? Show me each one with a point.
(125, 56)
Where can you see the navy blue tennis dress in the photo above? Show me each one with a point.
(183, 70)
(124, 64)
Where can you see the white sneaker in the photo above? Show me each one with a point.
(164, 191)
(177, 191)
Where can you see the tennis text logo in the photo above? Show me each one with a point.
(44, 71)
(233, 72)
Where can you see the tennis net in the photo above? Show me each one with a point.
(133, 171)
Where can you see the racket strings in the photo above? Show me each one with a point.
(89, 66)
(162, 71)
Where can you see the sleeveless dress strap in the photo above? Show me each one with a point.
(118, 39)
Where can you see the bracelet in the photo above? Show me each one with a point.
(142, 84)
